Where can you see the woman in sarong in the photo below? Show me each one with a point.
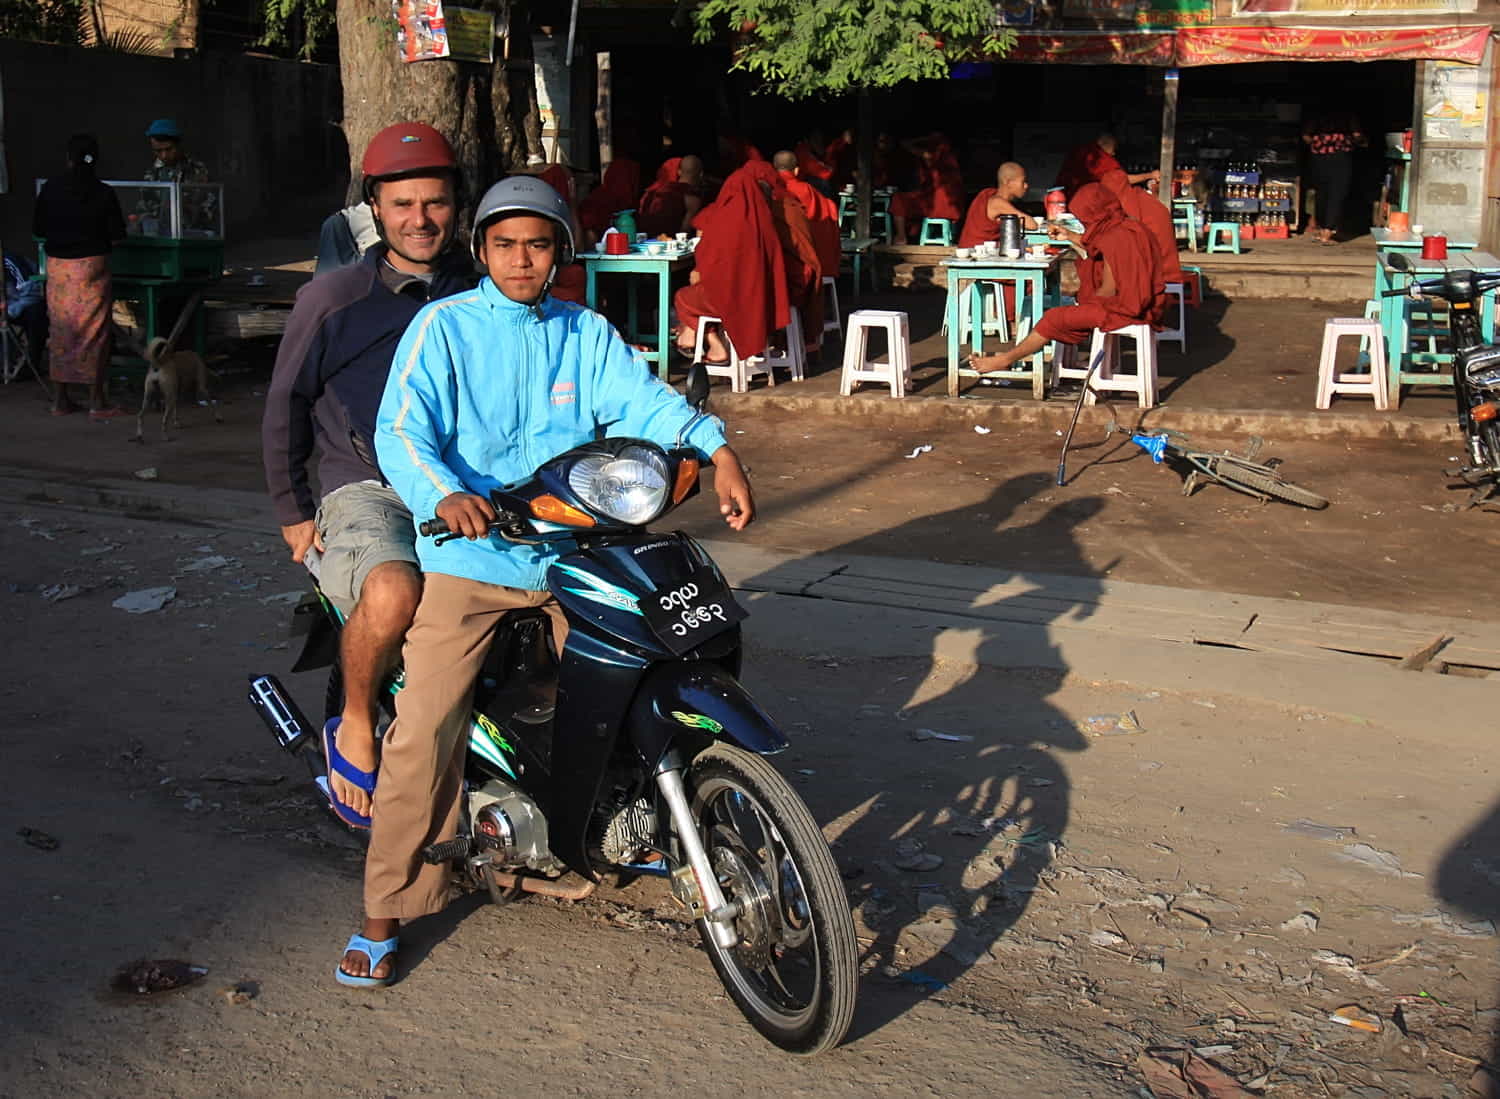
(78, 218)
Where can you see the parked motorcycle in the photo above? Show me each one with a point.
(651, 760)
(1476, 370)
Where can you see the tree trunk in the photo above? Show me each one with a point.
(482, 109)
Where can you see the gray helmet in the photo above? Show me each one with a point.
(525, 195)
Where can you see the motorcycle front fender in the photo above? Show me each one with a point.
(691, 705)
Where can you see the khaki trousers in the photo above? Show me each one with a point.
(416, 798)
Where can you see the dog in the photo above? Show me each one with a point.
(166, 374)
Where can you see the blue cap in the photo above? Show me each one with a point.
(163, 127)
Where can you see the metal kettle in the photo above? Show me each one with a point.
(1011, 238)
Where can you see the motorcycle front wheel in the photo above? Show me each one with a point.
(794, 970)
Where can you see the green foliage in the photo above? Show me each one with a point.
(71, 23)
(802, 48)
(297, 26)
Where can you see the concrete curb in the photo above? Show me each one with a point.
(938, 413)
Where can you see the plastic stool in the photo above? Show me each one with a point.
(936, 231)
(1195, 285)
(737, 370)
(1143, 382)
(1232, 228)
(832, 321)
(1330, 381)
(857, 368)
(1180, 332)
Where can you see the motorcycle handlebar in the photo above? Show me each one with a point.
(430, 527)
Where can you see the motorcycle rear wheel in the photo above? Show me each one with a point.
(796, 967)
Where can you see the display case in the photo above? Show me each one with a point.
(173, 231)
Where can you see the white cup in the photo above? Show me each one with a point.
(1039, 251)
(963, 253)
(1417, 229)
(681, 238)
(655, 248)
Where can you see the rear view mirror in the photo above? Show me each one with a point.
(697, 386)
(1399, 261)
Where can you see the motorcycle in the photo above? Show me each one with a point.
(1476, 370)
(649, 759)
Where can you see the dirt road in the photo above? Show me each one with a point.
(1097, 895)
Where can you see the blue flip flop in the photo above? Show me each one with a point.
(377, 952)
(365, 780)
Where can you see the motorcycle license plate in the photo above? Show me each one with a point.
(687, 613)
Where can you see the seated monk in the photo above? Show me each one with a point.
(822, 215)
(815, 170)
(1149, 211)
(617, 191)
(754, 262)
(940, 188)
(670, 204)
(843, 157)
(1089, 163)
(1120, 281)
(982, 222)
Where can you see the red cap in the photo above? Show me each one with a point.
(405, 148)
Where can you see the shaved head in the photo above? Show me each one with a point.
(784, 161)
(1008, 171)
(1108, 143)
(690, 171)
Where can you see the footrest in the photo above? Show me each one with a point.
(436, 854)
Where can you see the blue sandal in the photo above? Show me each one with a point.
(377, 952)
(365, 780)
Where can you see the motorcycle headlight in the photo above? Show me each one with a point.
(629, 487)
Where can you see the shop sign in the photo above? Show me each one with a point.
(425, 31)
(1170, 14)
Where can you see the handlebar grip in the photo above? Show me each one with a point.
(430, 527)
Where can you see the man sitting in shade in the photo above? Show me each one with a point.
(1090, 163)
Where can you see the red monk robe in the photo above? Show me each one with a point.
(1127, 247)
(663, 207)
(1083, 165)
(822, 221)
(1154, 216)
(940, 188)
(616, 191)
(804, 266)
(742, 277)
(810, 164)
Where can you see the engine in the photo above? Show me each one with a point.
(509, 824)
(629, 831)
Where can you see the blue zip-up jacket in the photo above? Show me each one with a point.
(483, 391)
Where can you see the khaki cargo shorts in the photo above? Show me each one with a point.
(362, 525)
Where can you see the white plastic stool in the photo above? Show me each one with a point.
(1143, 381)
(1180, 332)
(832, 321)
(739, 371)
(857, 368)
(794, 358)
(1330, 381)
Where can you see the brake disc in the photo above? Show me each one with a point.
(758, 923)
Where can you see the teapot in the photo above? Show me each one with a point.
(625, 222)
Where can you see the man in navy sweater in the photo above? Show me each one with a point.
(325, 391)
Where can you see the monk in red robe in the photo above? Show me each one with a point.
(843, 156)
(1147, 210)
(811, 163)
(755, 261)
(1089, 164)
(617, 191)
(1120, 281)
(982, 222)
(822, 213)
(669, 205)
(940, 188)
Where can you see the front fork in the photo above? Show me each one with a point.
(716, 909)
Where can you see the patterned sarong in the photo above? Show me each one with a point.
(79, 298)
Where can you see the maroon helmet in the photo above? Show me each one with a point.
(406, 149)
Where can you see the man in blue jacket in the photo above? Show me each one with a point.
(325, 390)
(486, 386)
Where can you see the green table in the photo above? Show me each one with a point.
(1395, 325)
(1387, 241)
(857, 248)
(1030, 277)
(662, 266)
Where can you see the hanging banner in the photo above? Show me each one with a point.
(421, 30)
(1093, 48)
(1232, 45)
(1360, 7)
(471, 35)
(1104, 12)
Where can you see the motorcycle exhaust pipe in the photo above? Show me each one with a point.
(287, 722)
(545, 886)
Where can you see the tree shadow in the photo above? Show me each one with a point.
(997, 808)
(1468, 879)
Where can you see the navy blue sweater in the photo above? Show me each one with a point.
(330, 374)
